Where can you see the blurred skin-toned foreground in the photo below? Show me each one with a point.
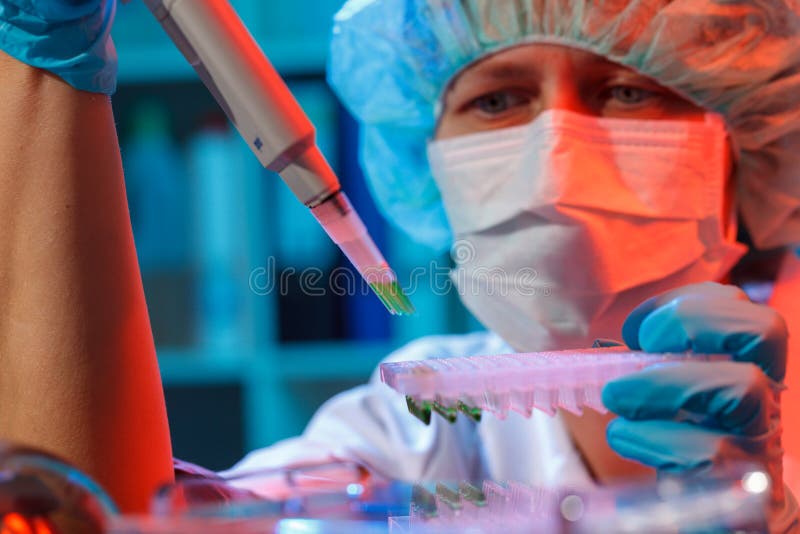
(79, 373)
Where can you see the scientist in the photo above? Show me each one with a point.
(609, 146)
(614, 148)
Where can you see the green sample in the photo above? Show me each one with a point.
(472, 413)
(447, 412)
(424, 501)
(472, 494)
(448, 496)
(392, 296)
(421, 411)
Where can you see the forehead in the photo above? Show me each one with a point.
(534, 60)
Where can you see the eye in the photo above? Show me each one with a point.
(499, 102)
(629, 95)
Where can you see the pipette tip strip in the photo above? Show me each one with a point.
(570, 380)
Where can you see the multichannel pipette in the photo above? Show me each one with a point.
(522, 382)
(216, 43)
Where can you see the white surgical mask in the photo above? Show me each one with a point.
(565, 224)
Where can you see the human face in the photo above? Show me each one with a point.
(514, 86)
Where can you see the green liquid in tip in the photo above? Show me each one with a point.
(392, 296)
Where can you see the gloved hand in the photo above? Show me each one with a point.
(70, 38)
(687, 417)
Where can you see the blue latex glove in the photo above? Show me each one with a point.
(70, 38)
(710, 318)
(691, 416)
(686, 417)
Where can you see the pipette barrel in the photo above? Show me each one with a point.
(252, 94)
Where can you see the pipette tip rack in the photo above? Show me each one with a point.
(721, 500)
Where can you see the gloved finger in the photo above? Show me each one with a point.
(69, 38)
(711, 318)
(709, 290)
(737, 397)
(672, 446)
(606, 343)
(58, 10)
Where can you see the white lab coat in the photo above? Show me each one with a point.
(371, 424)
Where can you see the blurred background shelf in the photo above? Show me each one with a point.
(323, 361)
(294, 36)
(138, 64)
(249, 345)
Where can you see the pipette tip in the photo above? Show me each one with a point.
(392, 296)
(344, 226)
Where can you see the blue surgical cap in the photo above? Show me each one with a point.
(391, 61)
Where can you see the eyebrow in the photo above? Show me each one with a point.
(496, 70)
(501, 71)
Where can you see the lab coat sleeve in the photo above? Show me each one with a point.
(371, 424)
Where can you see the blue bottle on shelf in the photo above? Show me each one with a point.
(220, 237)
